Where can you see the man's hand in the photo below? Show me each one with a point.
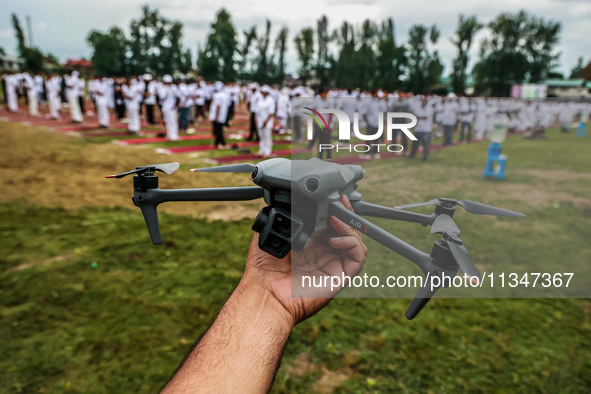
(241, 350)
(341, 254)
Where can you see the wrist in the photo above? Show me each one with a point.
(268, 307)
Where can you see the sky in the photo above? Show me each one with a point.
(61, 26)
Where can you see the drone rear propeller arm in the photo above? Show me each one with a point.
(148, 200)
(204, 194)
(367, 209)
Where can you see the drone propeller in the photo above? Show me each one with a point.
(445, 225)
(470, 206)
(167, 168)
(244, 168)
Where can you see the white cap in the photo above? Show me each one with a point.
(266, 89)
(167, 79)
(219, 85)
(75, 73)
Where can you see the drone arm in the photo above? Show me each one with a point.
(367, 209)
(206, 194)
(423, 260)
(148, 201)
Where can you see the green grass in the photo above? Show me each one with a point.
(95, 307)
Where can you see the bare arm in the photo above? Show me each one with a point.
(241, 350)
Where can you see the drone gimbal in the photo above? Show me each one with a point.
(302, 194)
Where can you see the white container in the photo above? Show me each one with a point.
(499, 129)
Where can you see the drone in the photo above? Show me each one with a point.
(302, 194)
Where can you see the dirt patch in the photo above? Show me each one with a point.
(303, 363)
(330, 380)
(55, 259)
(535, 196)
(558, 175)
(55, 169)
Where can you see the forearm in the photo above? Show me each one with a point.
(241, 350)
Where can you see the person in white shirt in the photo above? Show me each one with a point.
(132, 96)
(72, 86)
(448, 119)
(168, 94)
(466, 117)
(40, 86)
(424, 113)
(218, 114)
(183, 106)
(11, 84)
(283, 110)
(31, 94)
(101, 94)
(264, 116)
(150, 99)
(255, 97)
(199, 98)
(232, 90)
(53, 86)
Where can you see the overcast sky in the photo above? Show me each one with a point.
(61, 26)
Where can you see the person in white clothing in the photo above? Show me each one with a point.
(53, 86)
(11, 83)
(132, 96)
(101, 94)
(72, 86)
(168, 94)
(265, 114)
(31, 95)
(218, 114)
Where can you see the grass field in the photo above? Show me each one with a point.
(89, 305)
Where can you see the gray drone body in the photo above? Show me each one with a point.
(302, 194)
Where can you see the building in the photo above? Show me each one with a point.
(83, 66)
(11, 63)
(568, 87)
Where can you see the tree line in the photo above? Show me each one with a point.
(519, 47)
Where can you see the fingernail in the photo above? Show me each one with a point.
(336, 238)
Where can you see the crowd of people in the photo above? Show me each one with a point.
(466, 117)
(180, 103)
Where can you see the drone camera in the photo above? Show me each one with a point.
(277, 229)
(312, 185)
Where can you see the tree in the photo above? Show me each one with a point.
(244, 65)
(19, 34)
(343, 69)
(520, 49)
(108, 57)
(322, 59)
(464, 35)
(424, 67)
(220, 49)
(304, 42)
(264, 64)
(280, 49)
(576, 71)
(390, 59)
(33, 57)
(155, 45)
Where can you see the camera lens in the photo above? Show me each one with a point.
(312, 185)
(282, 225)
